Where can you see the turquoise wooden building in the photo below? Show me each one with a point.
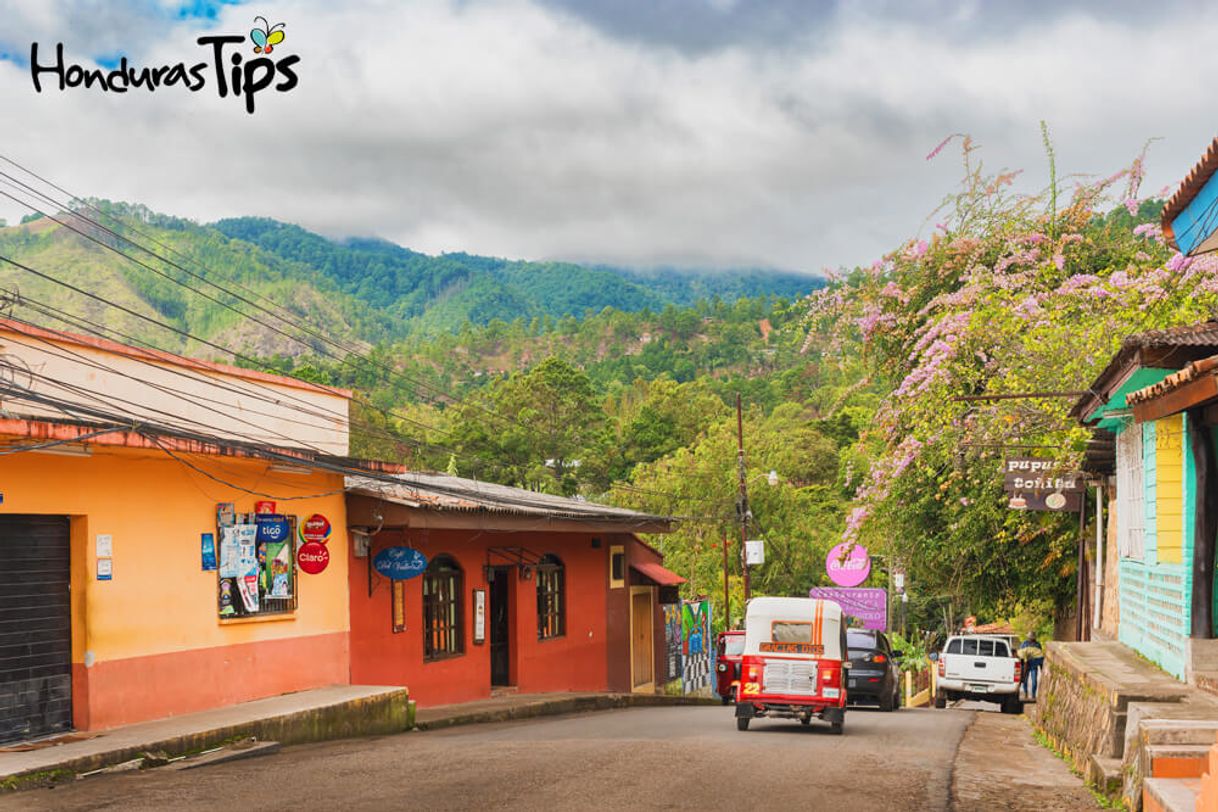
(1154, 492)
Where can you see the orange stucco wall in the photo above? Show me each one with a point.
(148, 643)
(574, 662)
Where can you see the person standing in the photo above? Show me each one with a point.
(1033, 657)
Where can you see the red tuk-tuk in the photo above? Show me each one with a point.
(793, 662)
(729, 646)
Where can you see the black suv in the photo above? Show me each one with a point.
(874, 673)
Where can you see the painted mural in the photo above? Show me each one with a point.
(673, 644)
(697, 647)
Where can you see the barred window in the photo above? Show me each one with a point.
(550, 598)
(442, 587)
(1130, 516)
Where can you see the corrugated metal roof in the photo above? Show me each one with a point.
(1192, 335)
(1192, 183)
(451, 493)
(1174, 381)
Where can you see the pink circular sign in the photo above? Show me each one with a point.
(850, 570)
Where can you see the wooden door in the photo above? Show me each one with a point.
(642, 650)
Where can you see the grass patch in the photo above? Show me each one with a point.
(1100, 798)
(42, 778)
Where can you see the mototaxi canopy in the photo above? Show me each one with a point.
(794, 627)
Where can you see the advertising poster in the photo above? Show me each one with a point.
(207, 551)
(279, 559)
(230, 552)
(247, 565)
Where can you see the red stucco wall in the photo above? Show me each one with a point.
(577, 661)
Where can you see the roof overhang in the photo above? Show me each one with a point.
(657, 573)
(1192, 387)
(367, 509)
(1190, 217)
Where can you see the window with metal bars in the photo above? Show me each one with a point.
(265, 583)
(551, 604)
(1130, 518)
(442, 591)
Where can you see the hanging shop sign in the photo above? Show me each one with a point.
(399, 563)
(313, 557)
(848, 568)
(316, 528)
(1034, 475)
(262, 508)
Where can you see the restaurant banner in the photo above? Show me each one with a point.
(868, 604)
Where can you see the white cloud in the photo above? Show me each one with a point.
(513, 129)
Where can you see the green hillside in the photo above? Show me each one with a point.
(359, 290)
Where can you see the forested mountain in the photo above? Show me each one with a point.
(363, 290)
(443, 292)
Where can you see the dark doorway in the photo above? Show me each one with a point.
(35, 627)
(501, 627)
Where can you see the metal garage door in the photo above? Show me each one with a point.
(35, 627)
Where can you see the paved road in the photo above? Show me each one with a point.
(675, 757)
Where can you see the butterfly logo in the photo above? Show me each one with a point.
(267, 37)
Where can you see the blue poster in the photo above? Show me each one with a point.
(208, 548)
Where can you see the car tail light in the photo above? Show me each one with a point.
(879, 658)
(942, 666)
(752, 674)
(828, 676)
(1018, 670)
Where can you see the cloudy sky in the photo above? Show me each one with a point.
(789, 134)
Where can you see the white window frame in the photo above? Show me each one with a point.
(1131, 494)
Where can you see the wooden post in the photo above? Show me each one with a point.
(1080, 624)
(727, 601)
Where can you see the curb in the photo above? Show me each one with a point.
(389, 712)
(559, 706)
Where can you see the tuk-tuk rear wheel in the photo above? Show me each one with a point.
(742, 723)
(837, 727)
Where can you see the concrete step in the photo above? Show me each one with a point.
(1104, 774)
(1178, 760)
(1170, 794)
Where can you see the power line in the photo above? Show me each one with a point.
(305, 328)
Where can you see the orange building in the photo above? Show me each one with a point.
(112, 553)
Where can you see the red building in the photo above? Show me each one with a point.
(523, 590)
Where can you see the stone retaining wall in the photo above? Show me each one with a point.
(1080, 715)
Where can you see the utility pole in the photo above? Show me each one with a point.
(727, 600)
(742, 505)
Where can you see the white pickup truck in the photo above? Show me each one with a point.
(979, 667)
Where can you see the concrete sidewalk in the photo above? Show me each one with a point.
(335, 712)
(1000, 765)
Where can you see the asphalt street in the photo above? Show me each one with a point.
(668, 758)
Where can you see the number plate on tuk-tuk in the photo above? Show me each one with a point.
(811, 649)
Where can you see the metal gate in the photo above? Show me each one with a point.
(35, 627)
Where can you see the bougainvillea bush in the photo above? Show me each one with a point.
(1009, 293)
